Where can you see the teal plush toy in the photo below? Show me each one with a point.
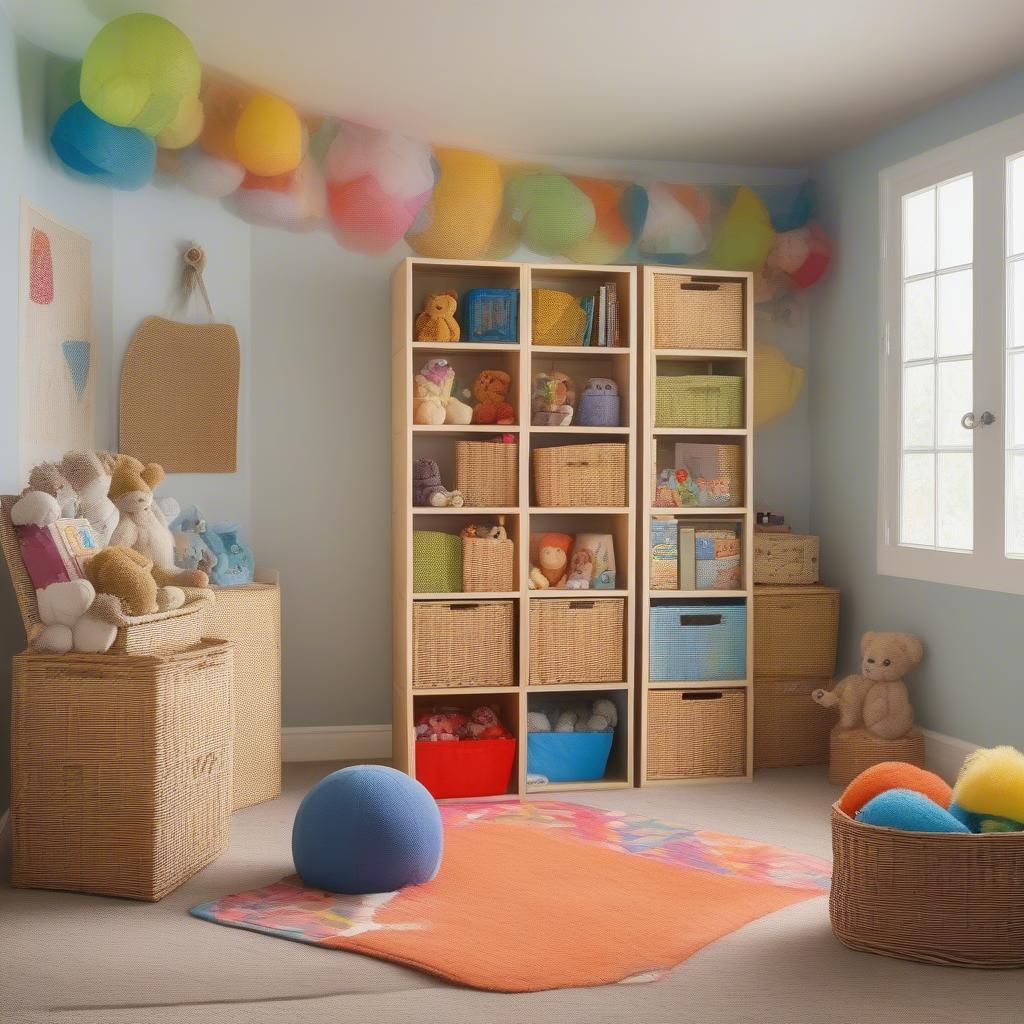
(235, 564)
(191, 550)
(908, 811)
(989, 795)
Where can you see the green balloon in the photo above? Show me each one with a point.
(555, 214)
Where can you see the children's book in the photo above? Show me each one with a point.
(56, 553)
(602, 314)
(587, 305)
(612, 338)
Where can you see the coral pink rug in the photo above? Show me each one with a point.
(541, 895)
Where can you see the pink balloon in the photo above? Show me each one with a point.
(366, 217)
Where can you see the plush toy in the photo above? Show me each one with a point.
(878, 697)
(46, 476)
(431, 391)
(581, 570)
(191, 549)
(484, 724)
(552, 399)
(128, 575)
(893, 775)
(490, 389)
(437, 320)
(89, 477)
(552, 558)
(35, 508)
(441, 725)
(66, 609)
(143, 529)
(457, 412)
(481, 531)
(600, 716)
(235, 564)
(909, 811)
(989, 794)
(427, 489)
(537, 721)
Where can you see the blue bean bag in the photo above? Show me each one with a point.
(909, 811)
(367, 829)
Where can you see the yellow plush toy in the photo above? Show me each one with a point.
(437, 321)
(989, 794)
(127, 575)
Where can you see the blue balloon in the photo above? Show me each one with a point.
(122, 158)
(367, 828)
(789, 206)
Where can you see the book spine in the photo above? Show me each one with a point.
(601, 315)
(613, 316)
(687, 559)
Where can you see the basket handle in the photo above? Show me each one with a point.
(583, 462)
(576, 605)
(700, 620)
(701, 695)
(699, 286)
(463, 607)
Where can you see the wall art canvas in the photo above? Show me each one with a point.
(56, 349)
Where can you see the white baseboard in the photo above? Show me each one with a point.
(336, 743)
(945, 754)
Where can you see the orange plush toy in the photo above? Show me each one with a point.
(490, 389)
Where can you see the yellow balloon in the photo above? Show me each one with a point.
(777, 384)
(268, 136)
(185, 128)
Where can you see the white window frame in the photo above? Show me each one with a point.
(984, 155)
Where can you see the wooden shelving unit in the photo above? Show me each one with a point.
(734, 361)
(411, 281)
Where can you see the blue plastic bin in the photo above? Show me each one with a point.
(698, 642)
(491, 314)
(568, 756)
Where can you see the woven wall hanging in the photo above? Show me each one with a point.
(179, 388)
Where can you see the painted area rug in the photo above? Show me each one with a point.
(542, 895)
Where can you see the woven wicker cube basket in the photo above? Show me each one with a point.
(697, 314)
(487, 473)
(580, 476)
(790, 729)
(462, 643)
(796, 631)
(487, 564)
(713, 401)
(940, 898)
(693, 734)
(121, 769)
(576, 641)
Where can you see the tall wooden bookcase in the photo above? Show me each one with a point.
(667, 360)
(413, 279)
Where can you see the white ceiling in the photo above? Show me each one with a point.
(773, 82)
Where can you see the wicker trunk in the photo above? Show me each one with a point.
(249, 616)
(120, 769)
(790, 729)
(795, 632)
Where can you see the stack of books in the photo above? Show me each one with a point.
(602, 326)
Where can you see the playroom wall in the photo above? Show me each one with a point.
(970, 684)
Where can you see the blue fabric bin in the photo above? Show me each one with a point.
(491, 314)
(568, 756)
(698, 642)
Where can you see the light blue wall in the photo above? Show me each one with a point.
(972, 683)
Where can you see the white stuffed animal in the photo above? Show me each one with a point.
(35, 508)
(537, 721)
(91, 480)
(66, 609)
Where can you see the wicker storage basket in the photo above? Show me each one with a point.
(487, 564)
(698, 400)
(795, 631)
(690, 641)
(697, 314)
(162, 632)
(576, 641)
(694, 734)
(851, 751)
(789, 728)
(721, 463)
(249, 616)
(486, 473)
(462, 643)
(120, 769)
(580, 475)
(785, 558)
(939, 898)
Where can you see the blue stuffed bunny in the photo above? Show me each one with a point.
(235, 564)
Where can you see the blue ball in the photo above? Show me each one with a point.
(909, 811)
(367, 829)
(123, 158)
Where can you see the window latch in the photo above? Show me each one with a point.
(971, 422)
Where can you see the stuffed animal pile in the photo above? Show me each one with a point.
(440, 725)
(601, 716)
(437, 398)
(563, 562)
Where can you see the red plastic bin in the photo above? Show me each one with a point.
(465, 767)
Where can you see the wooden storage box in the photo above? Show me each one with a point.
(577, 641)
(940, 898)
(785, 558)
(795, 632)
(121, 769)
(695, 734)
(486, 473)
(488, 564)
(249, 616)
(852, 751)
(462, 643)
(712, 401)
(789, 728)
(697, 314)
(580, 476)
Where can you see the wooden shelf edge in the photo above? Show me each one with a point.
(575, 687)
(700, 684)
(576, 787)
(452, 691)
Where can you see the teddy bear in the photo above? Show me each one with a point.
(91, 480)
(141, 528)
(877, 698)
(69, 610)
(437, 320)
(431, 391)
(128, 576)
(427, 488)
(490, 390)
(552, 558)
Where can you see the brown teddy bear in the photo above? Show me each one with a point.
(437, 320)
(490, 390)
(128, 576)
(878, 697)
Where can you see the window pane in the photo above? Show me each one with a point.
(919, 233)
(1015, 314)
(919, 406)
(919, 319)
(955, 389)
(956, 313)
(1015, 398)
(956, 222)
(956, 501)
(1016, 176)
(1015, 505)
(917, 516)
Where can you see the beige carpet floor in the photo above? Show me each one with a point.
(92, 960)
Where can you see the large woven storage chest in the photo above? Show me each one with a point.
(577, 641)
(795, 632)
(487, 473)
(697, 314)
(249, 616)
(463, 643)
(121, 769)
(580, 475)
(790, 729)
(698, 642)
(696, 733)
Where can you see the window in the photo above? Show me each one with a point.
(951, 458)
